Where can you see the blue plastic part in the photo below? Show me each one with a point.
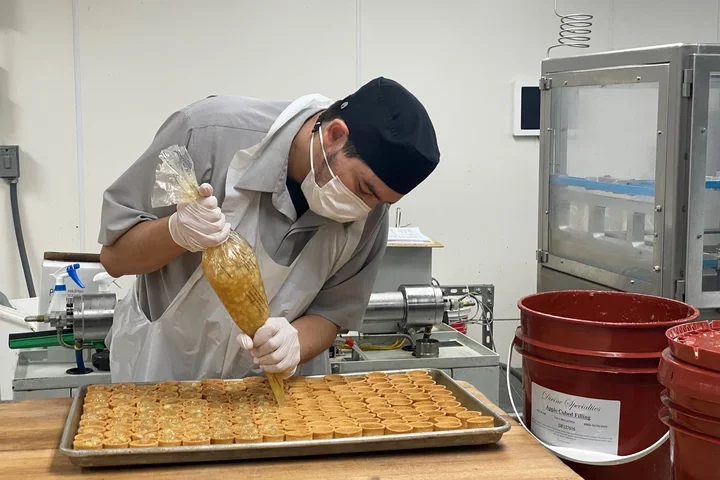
(80, 361)
(72, 273)
(710, 263)
(635, 188)
(644, 188)
(60, 288)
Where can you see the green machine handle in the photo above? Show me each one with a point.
(44, 339)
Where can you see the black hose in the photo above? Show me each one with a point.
(20, 239)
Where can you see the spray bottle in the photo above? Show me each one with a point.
(58, 298)
(103, 281)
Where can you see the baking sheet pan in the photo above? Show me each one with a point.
(237, 451)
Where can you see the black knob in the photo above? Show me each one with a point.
(101, 360)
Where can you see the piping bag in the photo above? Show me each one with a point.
(231, 268)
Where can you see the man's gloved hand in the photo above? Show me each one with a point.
(199, 225)
(275, 347)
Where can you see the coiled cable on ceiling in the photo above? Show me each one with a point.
(575, 30)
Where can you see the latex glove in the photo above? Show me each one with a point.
(199, 225)
(275, 348)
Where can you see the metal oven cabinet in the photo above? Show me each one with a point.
(630, 173)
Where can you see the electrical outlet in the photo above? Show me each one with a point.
(9, 161)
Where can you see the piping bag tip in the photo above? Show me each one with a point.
(276, 384)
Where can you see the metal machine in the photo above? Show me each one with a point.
(630, 173)
(403, 329)
(88, 317)
(409, 329)
(82, 328)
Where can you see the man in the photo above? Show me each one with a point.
(307, 184)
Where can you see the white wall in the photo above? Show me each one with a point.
(137, 61)
(37, 112)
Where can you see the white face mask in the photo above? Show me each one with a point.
(333, 200)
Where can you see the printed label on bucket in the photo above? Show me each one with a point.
(575, 422)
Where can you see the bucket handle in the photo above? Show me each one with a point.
(581, 456)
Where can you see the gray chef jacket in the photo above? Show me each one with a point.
(213, 130)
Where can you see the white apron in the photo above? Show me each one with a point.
(195, 337)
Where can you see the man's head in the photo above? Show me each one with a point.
(372, 147)
(381, 139)
(345, 161)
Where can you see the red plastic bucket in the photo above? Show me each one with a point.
(696, 343)
(694, 421)
(691, 387)
(590, 364)
(690, 369)
(695, 456)
(460, 327)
